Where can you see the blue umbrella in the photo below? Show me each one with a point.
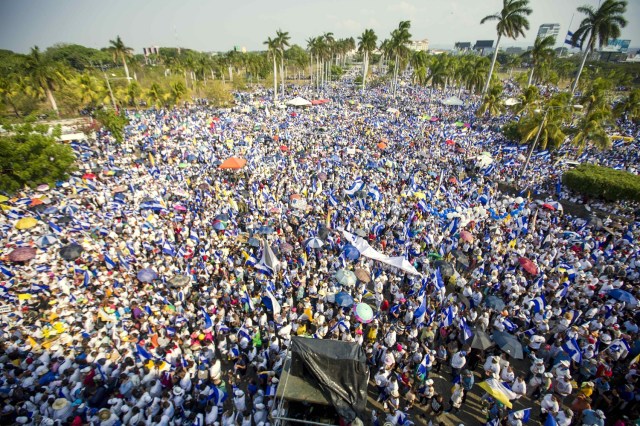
(315, 243)
(50, 210)
(147, 275)
(623, 296)
(265, 230)
(350, 252)
(344, 299)
(494, 302)
(68, 210)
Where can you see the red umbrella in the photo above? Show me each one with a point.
(453, 180)
(450, 142)
(466, 236)
(528, 265)
(233, 163)
(22, 254)
(548, 206)
(283, 148)
(88, 176)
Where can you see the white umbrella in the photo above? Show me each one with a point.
(315, 243)
(511, 102)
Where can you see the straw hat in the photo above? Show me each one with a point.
(104, 414)
(60, 404)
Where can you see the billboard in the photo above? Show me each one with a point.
(483, 44)
(617, 45)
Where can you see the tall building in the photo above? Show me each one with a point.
(546, 30)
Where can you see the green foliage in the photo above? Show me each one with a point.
(30, 157)
(76, 56)
(511, 131)
(113, 122)
(603, 182)
(336, 71)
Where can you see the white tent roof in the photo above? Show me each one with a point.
(299, 102)
(454, 101)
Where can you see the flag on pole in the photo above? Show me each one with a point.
(274, 302)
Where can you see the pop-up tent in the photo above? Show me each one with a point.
(298, 102)
(327, 371)
(453, 101)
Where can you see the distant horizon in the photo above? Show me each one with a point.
(217, 26)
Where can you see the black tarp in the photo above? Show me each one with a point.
(340, 369)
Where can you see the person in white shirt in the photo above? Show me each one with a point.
(519, 387)
(549, 404)
(458, 361)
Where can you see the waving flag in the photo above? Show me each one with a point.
(168, 248)
(55, 228)
(526, 414)
(109, 262)
(466, 331)
(141, 351)
(569, 40)
(572, 349)
(439, 280)
(374, 193)
(447, 320)
(6, 271)
(358, 184)
(274, 302)
(538, 304)
(422, 309)
(208, 323)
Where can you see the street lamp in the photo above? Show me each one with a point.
(535, 141)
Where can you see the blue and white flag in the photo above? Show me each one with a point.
(569, 40)
(572, 349)
(357, 185)
(466, 331)
(509, 325)
(109, 262)
(274, 302)
(208, 323)
(55, 228)
(168, 248)
(374, 193)
(439, 279)
(422, 309)
(538, 304)
(526, 414)
(6, 271)
(333, 201)
(447, 319)
(522, 225)
(141, 351)
(452, 227)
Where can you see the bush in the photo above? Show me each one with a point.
(603, 182)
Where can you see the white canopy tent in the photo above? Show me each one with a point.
(453, 101)
(298, 102)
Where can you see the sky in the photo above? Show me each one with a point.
(214, 25)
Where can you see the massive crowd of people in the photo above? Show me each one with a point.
(156, 288)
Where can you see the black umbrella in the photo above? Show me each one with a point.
(494, 302)
(323, 233)
(446, 269)
(63, 220)
(461, 259)
(481, 340)
(508, 343)
(38, 208)
(71, 252)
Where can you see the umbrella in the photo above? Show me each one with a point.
(71, 252)
(222, 217)
(253, 242)
(233, 163)
(50, 210)
(496, 394)
(466, 236)
(147, 275)
(177, 280)
(435, 256)
(63, 220)
(363, 275)
(344, 299)
(528, 265)
(481, 340)
(363, 313)
(382, 145)
(623, 296)
(461, 258)
(315, 243)
(26, 223)
(323, 232)
(446, 269)
(40, 208)
(264, 230)
(120, 188)
(42, 188)
(494, 302)
(508, 343)
(286, 248)
(179, 207)
(350, 252)
(219, 225)
(22, 254)
(89, 176)
(322, 176)
(346, 277)
(46, 240)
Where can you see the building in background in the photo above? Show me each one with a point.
(546, 30)
(483, 47)
(418, 45)
(514, 50)
(462, 46)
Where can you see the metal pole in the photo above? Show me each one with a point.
(535, 142)
(306, 422)
(113, 100)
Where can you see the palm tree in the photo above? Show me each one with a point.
(178, 90)
(629, 107)
(528, 100)
(419, 62)
(591, 130)
(119, 50)
(595, 97)
(550, 124)
(542, 51)
(328, 48)
(282, 40)
(492, 102)
(512, 22)
(44, 74)
(273, 49)
(155, 95)
(597, 28)
(398, 47)
(366, 45)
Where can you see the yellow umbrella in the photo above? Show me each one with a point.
(420, 195)
(26, 223)
(3, 198)
(496, 394)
